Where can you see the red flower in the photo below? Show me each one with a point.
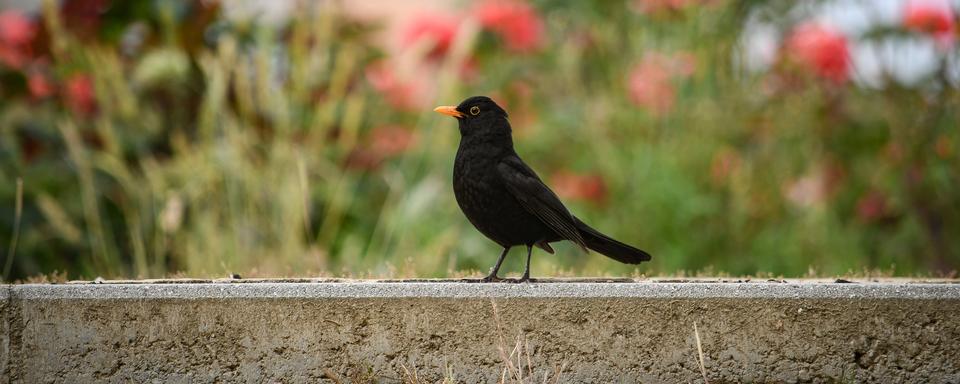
(391, 140)
(587, 187)
(650, 83)
(78, 90)
(725, 162)
(934, 17)
(943, 146)
(83, 18)
(516, 22)
(383, 143)
(872, 207)
(39, 85)
(16, 35)
(660, 6)
(821, 49)
(469, 70)
(436, 30)
(401, 93)
(16, 28)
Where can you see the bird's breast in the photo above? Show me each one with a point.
(476, 184)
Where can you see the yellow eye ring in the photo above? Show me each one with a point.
(474, 110)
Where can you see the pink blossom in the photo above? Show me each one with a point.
(400, 92)
(821, 49)
(872, 207)
(660, 6)
(934, 17)
(17, 32)
(438, 30)
(382, 143)
(807, 191)
(586, 187)
(16, 28)
(650, 83)
(516, 22)
(39, 85)
(817, 186)
(725, 162)
(78, 91)
(469, 70)
(391, 140)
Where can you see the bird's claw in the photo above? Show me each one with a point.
(491, 279)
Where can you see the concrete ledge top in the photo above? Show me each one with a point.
(672, 289)
(583, 330)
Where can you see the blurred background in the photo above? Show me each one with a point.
(295, 138)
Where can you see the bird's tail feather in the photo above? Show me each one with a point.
(609, 247)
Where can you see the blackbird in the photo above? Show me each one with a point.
(505, 200)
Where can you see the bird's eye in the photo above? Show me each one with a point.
(474, 110)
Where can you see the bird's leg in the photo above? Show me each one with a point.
(496, 268)
(526, 272)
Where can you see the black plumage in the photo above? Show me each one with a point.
(506, 200)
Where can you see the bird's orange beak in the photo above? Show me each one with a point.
(448, 110)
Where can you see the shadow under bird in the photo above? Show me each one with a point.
(506, 200)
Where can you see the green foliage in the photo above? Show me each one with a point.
(215, 146)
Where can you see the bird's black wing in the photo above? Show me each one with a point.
(538, 199)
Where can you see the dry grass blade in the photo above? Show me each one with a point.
(17, 214)
(448, 377)
(101, 250)
(559, 372)
(526, 348)
(703, 369)
(518, 350)
(303, 181)
(408, 377)
(332, 376)
(501, 344)
(513, 371)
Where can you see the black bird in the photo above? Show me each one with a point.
(506, 200)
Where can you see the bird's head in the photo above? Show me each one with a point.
(478, 115)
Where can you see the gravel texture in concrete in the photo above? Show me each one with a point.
(388, 331)
(432, 289)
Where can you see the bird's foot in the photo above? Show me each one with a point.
(491, 279)
(525, 278)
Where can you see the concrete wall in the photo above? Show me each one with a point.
(389, 332)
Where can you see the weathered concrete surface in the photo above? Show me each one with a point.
(379, 331)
